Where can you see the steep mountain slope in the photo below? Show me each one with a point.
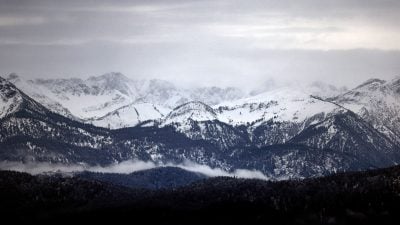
(348, 133)
(30, 133)
(265, 119)
(378, 103)
(33, 133)
(282, 134)
(289, 116)
(196, 111)
(10, 99)
(285, 104)
(113, 94)
(199, 121)
(100, 95)
(276, 116)
(40, 95)
(129, 115)
(293, 161)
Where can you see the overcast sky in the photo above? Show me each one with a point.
(225, 42)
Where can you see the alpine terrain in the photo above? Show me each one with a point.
(281, 133)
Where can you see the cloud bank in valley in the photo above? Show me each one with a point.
(217, 172)
(126, 167)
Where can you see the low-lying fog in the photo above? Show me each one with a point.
(126, 167)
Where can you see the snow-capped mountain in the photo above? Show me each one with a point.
(29, 132)
(115, 101)
(348, 133)
(378, 103)
(108, 100)
(14, 101)
(284, 134)
(338, 125)
(84, 99)
(196, 111)
(281, 105)
(199, 121)
(130, 115)
(10, 99)
(279, 115)
(284, 104)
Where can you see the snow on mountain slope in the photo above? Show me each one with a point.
(115, 101)
(362, 96)
(196, 111)
(14, 101)
(102, 96)
(349, 133)
(39, 95)
(284, 104)
(377, 102)
(10, 98)
(272, 117)
(72, 98)
(325, 141)
(199, 121)
(93, 97)
(32, 133)
(130, 115)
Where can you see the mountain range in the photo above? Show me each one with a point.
(113, 100)
(284, 133)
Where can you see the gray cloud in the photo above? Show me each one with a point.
(203, 42)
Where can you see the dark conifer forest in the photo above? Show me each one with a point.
(370, 197)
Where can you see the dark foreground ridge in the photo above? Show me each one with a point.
(156, 178)
(370, 197)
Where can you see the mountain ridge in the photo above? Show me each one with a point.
(277, 145)
(110, 92)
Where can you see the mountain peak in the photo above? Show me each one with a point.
(371, 83)
(10, 98)
(195, 106)
(7, 89)
(195, 110)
